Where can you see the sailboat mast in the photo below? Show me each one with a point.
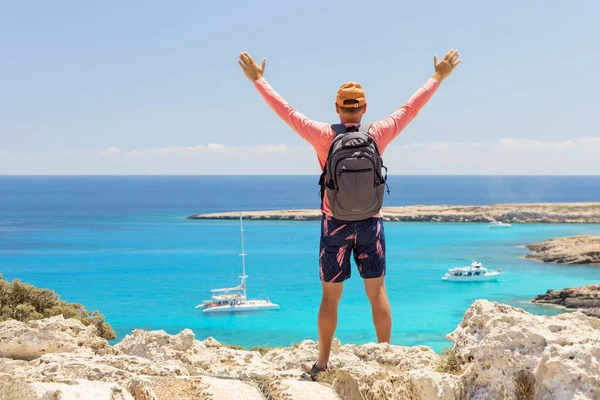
(243, 254)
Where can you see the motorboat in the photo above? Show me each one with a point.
(472, 273)
(498, 225)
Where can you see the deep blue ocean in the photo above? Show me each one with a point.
(122, 245)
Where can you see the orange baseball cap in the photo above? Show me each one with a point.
(350, 95)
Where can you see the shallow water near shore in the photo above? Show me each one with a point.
(147, 267)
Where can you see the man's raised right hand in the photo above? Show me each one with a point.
(252, 71)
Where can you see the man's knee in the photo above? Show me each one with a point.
(375, 288)
(332, 292)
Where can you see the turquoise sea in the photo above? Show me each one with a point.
(122, 245)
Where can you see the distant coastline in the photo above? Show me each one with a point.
(582, 249)
(585, 298)
(563, 213)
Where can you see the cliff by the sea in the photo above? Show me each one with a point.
(499, 352)
(514, 213)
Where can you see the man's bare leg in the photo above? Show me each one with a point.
(380, 307)
(328, 317)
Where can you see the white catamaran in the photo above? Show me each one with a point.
(234, 299)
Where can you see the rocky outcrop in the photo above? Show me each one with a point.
(499, 352)
(80, 389)
(506, 353)
(32, 339)
(184, 351)
(579, 213)
(370, 371)
(583, 249)
(585, 298)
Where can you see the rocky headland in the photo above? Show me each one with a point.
(583, 249)
(585, 298)
(513, 213)
(499, 352)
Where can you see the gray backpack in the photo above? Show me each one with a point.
(352, 178)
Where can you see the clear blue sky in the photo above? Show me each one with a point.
(154, 86)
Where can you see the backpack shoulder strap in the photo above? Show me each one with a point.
(365, 129)
(339, 128)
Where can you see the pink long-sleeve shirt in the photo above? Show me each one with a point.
(320, 134)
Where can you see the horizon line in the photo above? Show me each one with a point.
(283, 175)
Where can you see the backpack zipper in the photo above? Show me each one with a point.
(354, 170)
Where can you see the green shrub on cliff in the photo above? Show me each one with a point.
(25, 302)
(447, 362)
